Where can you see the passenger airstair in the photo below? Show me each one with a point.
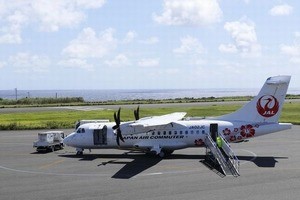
(224, 156)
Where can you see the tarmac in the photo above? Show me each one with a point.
(115, 107)
(269, 168)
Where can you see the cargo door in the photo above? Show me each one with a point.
(100, 136)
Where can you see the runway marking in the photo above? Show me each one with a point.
(152, 174)
(254, 156)
(51, 164)
(98, 175)
(83, 108)
(50, 173)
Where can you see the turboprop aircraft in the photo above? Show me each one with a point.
(162, 135)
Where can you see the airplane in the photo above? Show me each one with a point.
(162, 135)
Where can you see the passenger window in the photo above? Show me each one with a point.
(175, 132)
(165, 132)
(158, 133)
(192, 132)
(180, 132)
(186, 132)
(83, 130)
(170, 132)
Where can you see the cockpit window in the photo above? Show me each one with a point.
(80, 130)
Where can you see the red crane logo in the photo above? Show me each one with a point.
(267, 106)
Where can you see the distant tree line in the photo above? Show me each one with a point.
(41, 101)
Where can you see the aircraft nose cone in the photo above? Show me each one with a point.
(68, 140)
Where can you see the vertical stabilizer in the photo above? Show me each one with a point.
(266, 106)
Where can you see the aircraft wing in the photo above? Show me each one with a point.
(158, 120)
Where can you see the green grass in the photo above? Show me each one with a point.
(67, 119)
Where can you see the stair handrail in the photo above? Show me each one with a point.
(218, 154)
(233, 158)
(232, 163)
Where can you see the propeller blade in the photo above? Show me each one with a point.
(119, 137)
(118, 140)
(117, 127)
(118, 116)
(117, 119)
(137, 113)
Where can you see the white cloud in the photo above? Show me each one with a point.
(10, 37)
(129, 37)
(297, 34)
(119, 61)
(2, 64)
(90, 4)
(56, 14)
(11, 34)
(280, 10)
(244, 36)
(189, 12)
(48, 15)
(189, 44)
(76, 63)
(228, 48)
(90, 45)
(53, 15)
(149, 62)
(150, 40)
(293, 51)
(26, 62)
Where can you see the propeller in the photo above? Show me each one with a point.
(137, 113)
(117, 127)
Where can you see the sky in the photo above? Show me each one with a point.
(143, 44)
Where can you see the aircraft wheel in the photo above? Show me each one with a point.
(79, 151)
(168, 152)
(162, 154)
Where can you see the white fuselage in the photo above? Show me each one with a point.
(177, 135)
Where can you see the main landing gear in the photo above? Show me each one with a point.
(165, 153)
(79, 151)
(162, 153)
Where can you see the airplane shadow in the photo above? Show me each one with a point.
(262, 161)
(141, 162)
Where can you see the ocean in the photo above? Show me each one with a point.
(104, 95)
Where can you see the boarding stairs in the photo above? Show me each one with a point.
(223, 156)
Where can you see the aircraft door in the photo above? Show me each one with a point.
(214, 131)
(100, 136)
